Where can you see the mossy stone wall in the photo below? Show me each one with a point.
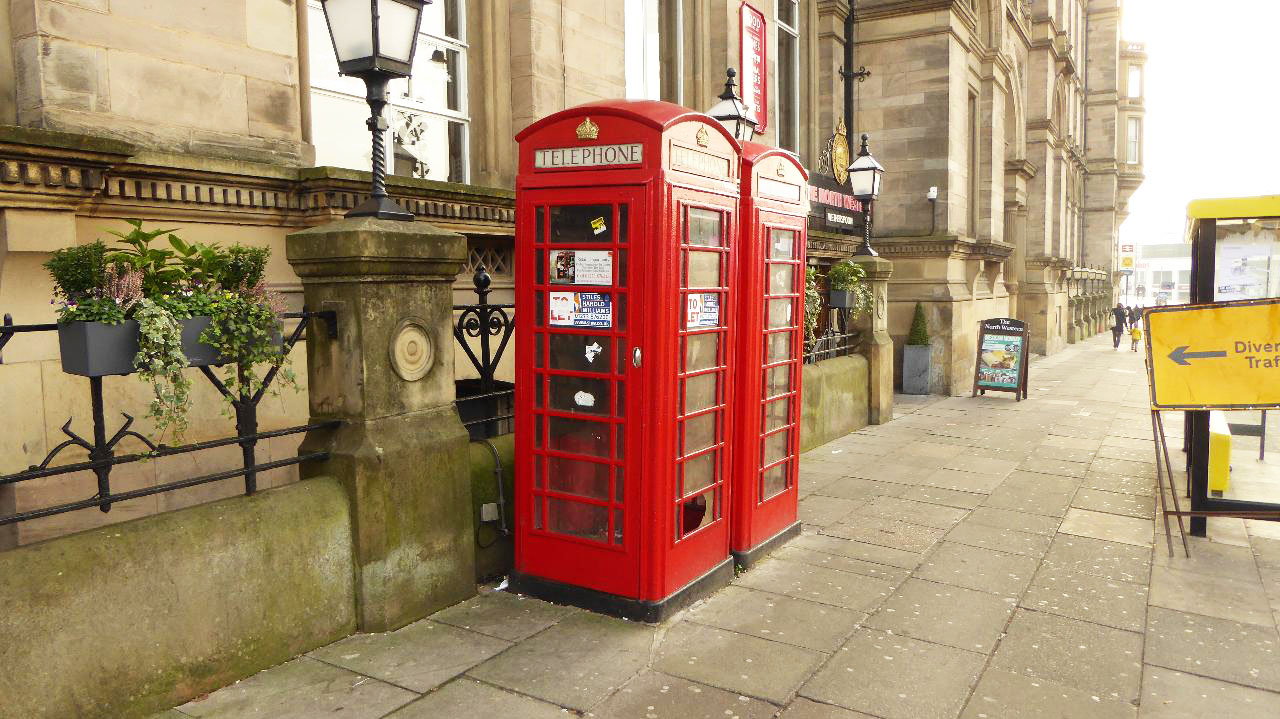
(834, 400)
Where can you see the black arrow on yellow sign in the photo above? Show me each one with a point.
(1181, 355)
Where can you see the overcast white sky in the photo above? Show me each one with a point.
(1213, 107)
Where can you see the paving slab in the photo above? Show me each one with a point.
(896, 677)
(661, 696)
(1107, 527)
(863, 526)
(985, 570)
(946, 497)
(420, 657)
(504, 615)
(859, 550)
(303, 688)
(777, 617)
(1110, 560)
(1056, 467)
(736, 662)
(1169, 694)
(1090, 598)
(1214, 559)
(793, 553)
(1013, 541)
(1089, 657)
(1067, 454)
(816, 584)
(962, 481)
(1009, 519)
(1239, 599)
(1129, 505)
(944, 614)
(820, 510)
(890, 471)
(803, 708)
(1020, 495)
(1128, 484)
(576, 663)
(908, 510)
(859, 489)
(1005, 695)
(981, 465)
(1220, 648)
(464, 697)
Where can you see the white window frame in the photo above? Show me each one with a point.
(1133, 144)
(794, 33)
(1132, 92)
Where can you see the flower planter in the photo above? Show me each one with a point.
(915, 369)
(840, 299)
(96, 349)
(198, 353)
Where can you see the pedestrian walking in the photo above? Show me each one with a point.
(1131, 316)
(1118, 328)
(1135, 333)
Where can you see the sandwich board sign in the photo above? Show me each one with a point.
(1002, 358)
(1224, 355)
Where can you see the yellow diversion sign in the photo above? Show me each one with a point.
(1218, 356)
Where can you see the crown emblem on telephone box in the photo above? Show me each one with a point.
(588, 130)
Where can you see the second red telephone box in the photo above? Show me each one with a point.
(626, 224)
(770, 350)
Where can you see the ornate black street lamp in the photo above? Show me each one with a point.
(375, 40)
(731, 112)
(864, 181)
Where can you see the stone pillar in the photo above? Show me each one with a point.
(879, 343)
(388, 375)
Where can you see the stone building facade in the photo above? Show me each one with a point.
(226, 119)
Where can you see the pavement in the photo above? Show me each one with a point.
(974, 558)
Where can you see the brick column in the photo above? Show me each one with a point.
(389, 376)
(879, 344)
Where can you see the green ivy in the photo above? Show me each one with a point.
(161, 363)
(850, 277)
(812, 305)
(244, 330)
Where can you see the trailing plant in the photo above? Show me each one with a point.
(812, 305)
(919, 334)
(161, 363)
(845, 276)
(246, 327)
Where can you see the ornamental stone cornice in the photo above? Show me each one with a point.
(1025, 169)
(880, 9)
(942, 246)
(44, 168)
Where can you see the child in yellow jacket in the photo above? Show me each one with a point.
(1135, 332)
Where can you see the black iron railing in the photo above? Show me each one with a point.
(101, 450)
(486, 405)
(832, 344)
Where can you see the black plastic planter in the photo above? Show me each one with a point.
(840, 299)
(95, 349)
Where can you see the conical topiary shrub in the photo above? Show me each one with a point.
(919, 334)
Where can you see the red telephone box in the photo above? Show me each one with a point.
(770, 351)
(626, 222)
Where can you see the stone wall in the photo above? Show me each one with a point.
(833, 400)
(208, 77)
(126, 621)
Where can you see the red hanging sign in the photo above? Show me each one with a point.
(755, 78)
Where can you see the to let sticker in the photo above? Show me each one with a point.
(702, 310)
(581, 309)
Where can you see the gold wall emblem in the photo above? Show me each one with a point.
(703, 137)
(588, 130)
(840, 153)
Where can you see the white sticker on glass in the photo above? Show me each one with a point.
(584, 399)
(593, 349)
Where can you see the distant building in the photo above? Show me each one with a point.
(1163, 275)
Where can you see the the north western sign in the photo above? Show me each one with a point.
(1218, 356)
(832, 208)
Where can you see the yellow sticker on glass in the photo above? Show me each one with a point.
(598, 225)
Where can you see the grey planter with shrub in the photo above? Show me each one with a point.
(97, 349)
(915, 368)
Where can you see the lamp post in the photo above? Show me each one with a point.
(864, 180)
(731, 112)
(375, 40)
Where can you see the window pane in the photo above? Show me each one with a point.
(700, 351)
(575, 476)
(704, 269)
(777, 381)
(787, 110)
(457, 152)
(787, 12)
(579, 436)
(699, 473)
(697, 512)
(579, 520)
(778, 347)
(782, 279)
(700, 392)
(582, 353)
(782, 244)
(777, 414)
(581, 223)
(773, 481)
(780, 314)
(704, 227)
(700, 432)
(453, 62)
(776, 447)
(578, 394)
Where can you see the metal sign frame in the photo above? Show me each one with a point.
(1007, 327)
